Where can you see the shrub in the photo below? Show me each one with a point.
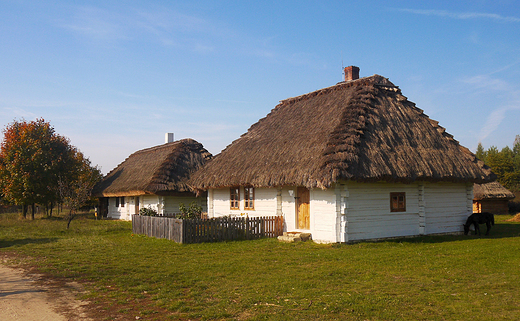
(147, 211)
(193, 211)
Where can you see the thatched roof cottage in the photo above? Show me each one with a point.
(153, 178)
(353, 161)
(491, 197)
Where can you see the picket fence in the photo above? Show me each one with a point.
(207, 230)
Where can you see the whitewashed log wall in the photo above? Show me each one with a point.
(161, 204)
(357, 211)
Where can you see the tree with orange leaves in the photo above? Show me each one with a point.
(33, 161)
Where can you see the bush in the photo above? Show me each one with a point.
(147, 211)
(193, 211)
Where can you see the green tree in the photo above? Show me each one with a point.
(481, 153)
(504, 163)
(515, 179)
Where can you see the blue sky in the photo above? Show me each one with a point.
(115, 76)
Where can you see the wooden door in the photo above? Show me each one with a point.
(303, 208)
(136, 199)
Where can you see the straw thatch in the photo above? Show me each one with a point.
(491, 191)
(161, 169)
(363, 130)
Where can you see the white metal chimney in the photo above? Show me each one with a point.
(168, 138)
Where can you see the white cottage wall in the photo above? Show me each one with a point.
(446, 207)
(265, 203)
(358, 211)
(124, 211)
(289, 208)
(150, 201)
(368, 214)
(130, 207)
(172, 203)
(113, 211)
(161, 204)
(221, 202)
(323, 215)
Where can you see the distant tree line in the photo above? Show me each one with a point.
(504, 163)
(38, 166)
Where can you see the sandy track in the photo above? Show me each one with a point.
(27, 297)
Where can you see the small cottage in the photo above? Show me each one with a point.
(353, 161)
(491, 197)
(153, 178)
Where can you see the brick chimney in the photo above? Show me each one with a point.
(351, 73)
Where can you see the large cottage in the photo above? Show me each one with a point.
(353, 161)
(153, 178)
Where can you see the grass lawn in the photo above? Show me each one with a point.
(129, 276)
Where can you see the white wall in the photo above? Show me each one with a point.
(355, 211)
(368, 214)
(113, 211)
(323, 215)
(125, 209)
(150, 201)
(171, 203)
(447, 207)
(161, 204)
(289, 208)
(265, 203)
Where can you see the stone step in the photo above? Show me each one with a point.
(291, 237)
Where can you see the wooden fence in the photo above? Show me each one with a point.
(207, 230)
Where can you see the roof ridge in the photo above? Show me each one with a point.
(374, 80)
(165, 145)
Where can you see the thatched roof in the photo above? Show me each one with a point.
(491, 191)
(363, 130)
(160, 169)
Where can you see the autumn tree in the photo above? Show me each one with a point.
(33, 160)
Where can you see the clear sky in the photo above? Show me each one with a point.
(115, 76)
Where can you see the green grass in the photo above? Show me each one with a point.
(423, 278)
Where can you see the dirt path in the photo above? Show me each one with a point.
(27, 297)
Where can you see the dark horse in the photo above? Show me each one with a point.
(479, 218)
